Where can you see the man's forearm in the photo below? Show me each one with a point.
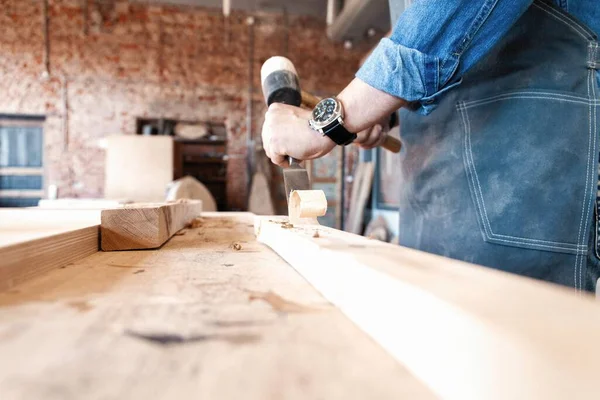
(364, 106)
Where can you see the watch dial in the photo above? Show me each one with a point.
(324, 110)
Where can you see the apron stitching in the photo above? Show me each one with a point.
(489, 227)
(481, 204)
(515, 96)
(527, 94)
(561, 17)
(468, 163)
(586, 100)
(592, 54)
(593, 128)
(580, 267)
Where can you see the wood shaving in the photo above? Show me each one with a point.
(195, 223)
(236, 246)
(287, 225)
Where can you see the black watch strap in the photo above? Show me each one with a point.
(340, 135)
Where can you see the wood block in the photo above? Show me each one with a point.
(34, 241)
(466, 331)
(145, 226)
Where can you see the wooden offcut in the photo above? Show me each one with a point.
(466, 331)
(145, 226)
(305, 206)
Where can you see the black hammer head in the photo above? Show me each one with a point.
(280, 82)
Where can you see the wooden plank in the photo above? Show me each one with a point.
(81, 204)
(138, 167)
(467, 332)
(196, 319)
(145, 226)
(19, 225)
(361, 189)
(34, 241)
(21, 171)
(21, 193)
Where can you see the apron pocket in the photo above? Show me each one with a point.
(528, 160)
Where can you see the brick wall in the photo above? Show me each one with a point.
(111, 62)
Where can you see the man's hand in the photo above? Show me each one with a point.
(373, 136)
(286, 133)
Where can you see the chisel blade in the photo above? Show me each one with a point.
(295, 177)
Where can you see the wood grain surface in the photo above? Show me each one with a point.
(149, 226)
(467, 332)
(213, 314)
(33, 241)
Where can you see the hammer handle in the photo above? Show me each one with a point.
(309, 100)
(390, 143)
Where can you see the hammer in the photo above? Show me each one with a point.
(280, 85)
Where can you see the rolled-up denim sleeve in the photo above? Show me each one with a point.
(434, 42)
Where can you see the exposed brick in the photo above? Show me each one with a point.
(122, 61)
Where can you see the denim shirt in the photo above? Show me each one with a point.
(434, 42)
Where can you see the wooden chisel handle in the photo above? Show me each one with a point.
(390, 143)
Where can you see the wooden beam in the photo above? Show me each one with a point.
(466, 331)
(145, 226)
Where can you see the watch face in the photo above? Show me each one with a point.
(324, 110)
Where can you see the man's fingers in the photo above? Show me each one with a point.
(280, 160)
(374, 136)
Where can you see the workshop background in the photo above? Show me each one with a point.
(86, 69)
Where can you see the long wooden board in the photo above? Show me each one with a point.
(467, 332)
(34, 241)
(140, 226)
(213, 314)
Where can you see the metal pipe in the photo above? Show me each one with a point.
(250, 147)
(333, 9)
(46, 20)
(226, 7)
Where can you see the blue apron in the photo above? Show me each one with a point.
(504, 172)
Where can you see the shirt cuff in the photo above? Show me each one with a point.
(405, 73)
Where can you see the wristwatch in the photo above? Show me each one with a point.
(328, 119)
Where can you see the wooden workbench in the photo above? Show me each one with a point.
(213, 314)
